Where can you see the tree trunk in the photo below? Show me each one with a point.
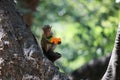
(113, 70)
(30, 7)
(20, 56)
(93, 70)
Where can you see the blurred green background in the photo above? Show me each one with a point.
(87, 28)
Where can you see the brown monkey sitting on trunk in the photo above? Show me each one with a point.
(49, 43)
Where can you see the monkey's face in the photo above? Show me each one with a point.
(48, 32)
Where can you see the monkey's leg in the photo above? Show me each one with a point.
(53, 56)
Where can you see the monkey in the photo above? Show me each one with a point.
(49, 43)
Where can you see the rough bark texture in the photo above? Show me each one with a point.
(20, 56)
(113, 70)
(93, 70)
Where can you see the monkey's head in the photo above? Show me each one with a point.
(47, 30)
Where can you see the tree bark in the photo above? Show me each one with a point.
(20, 56)
(93, 70)
(113, 70)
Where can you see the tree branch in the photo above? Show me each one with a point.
(113, 70)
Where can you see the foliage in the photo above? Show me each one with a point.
(87, 28)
